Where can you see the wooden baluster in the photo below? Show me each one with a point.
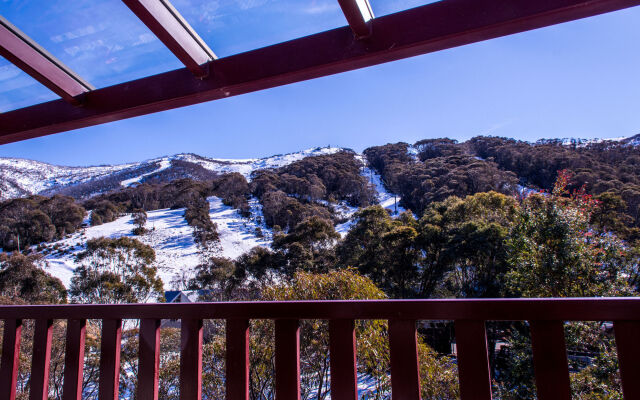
(237, 359)
(287, 334)
(10, 362)
(405, 367)
(342, 358)
(74, 359)
(550, 360)
(191, 359)
(109, 382)
(627, 334)
(149, 359)
(473, 360)
(39, 386)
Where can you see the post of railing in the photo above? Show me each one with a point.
(110, 343)
(149, 359)
(473, 360)
(191, 359)
(627, 334)
(287, 340)
(550, 360)
(237, 359)
(10, 358)
(342, 359)
(405, 366)
(40, 360)
(74, 359)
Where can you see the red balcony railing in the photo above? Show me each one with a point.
(545, 318)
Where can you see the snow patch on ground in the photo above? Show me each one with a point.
(385, 198)
(171, 238)
(164, 164)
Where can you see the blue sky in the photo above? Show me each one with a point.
(578, 79)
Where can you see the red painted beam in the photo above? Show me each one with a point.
(426, 29)
(175, 32)
(27, 55)
(565, 309)
(358, 14)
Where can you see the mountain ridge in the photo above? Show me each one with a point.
(23, 177)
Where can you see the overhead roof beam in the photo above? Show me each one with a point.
(425, 29)
(175, 32)
(358, 14)
(27, 55)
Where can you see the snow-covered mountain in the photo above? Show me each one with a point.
(20, 177)
(168, 232)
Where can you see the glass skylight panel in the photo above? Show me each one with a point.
(102, 41)
(17, 89)
(235, 26)
(384, 7)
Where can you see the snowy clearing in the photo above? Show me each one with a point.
(171, 238)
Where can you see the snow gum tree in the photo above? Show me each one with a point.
(119, 270)
(139, 217)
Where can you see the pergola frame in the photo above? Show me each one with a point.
(27, 55)
(367, 41)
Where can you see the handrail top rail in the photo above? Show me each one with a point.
(505, 309)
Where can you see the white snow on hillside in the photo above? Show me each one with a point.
(170, 236)
(31, 177)
(164, 164)
(386, 199)
(247, 166)
(19, 177)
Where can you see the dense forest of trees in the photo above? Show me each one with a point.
(487, 218)
(441, 170)
(307, 188)
(36, 219)
(608, 170)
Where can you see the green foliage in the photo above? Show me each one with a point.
(442, 170)
(205, 232)
(234, 191)
(36, 219)
(116, 271)
(555, 253)
(303, 189)
(599, 167)
(22, 278)
(464, 245)
(103, 212)
(309, 246)
(382, 249)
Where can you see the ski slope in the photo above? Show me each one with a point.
(171, 238)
